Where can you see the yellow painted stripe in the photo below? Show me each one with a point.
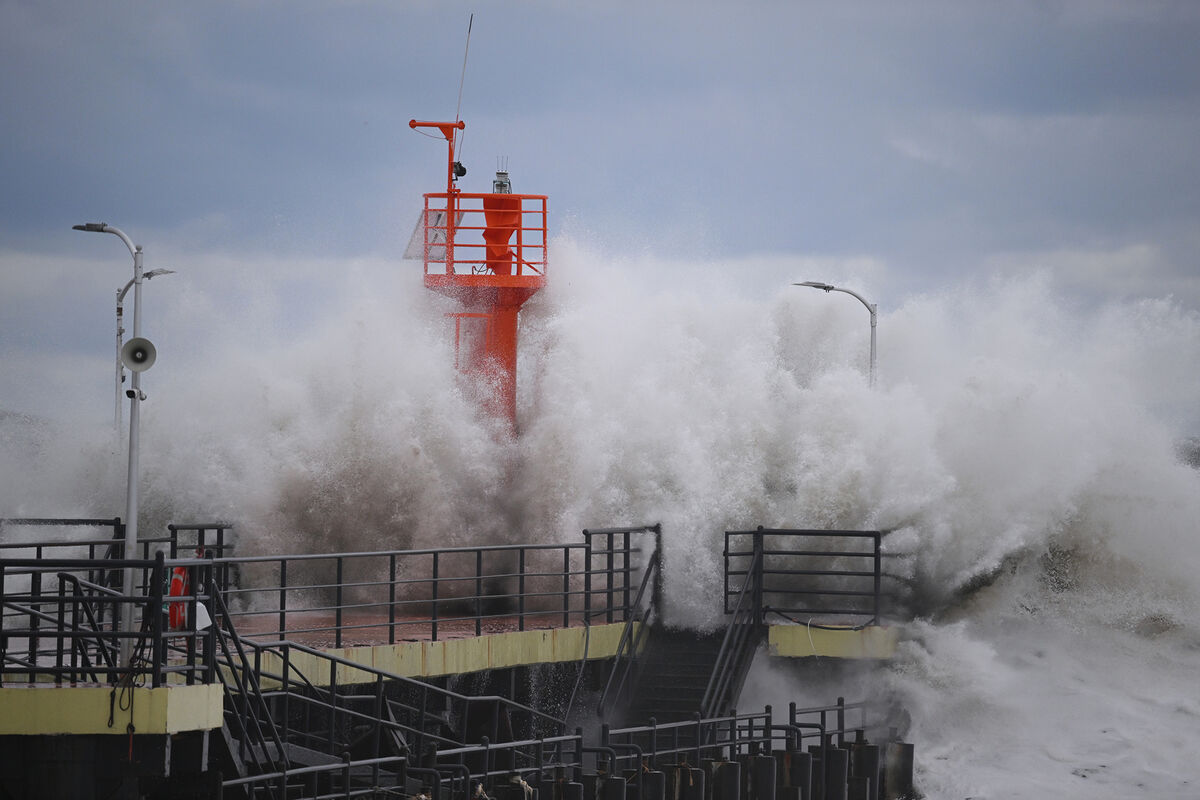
(38, 710)
(455, 656)
(802, 641)
(48, 709)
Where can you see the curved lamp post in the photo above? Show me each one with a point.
(135, 399)
(870, 307)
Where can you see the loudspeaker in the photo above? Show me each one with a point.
(138, 354)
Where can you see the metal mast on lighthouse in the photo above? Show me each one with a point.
(488, 252)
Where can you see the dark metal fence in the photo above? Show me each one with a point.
(347, 598)
(807, 575)
(58, 624)
(58, 615)
(358, 703)
(630, 754)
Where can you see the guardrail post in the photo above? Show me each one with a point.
(566, 587)
(35, 594)
(158, 642)
(433, 614)
(478, 592)
(377, 736)
(758, 577)
(627, 574)
(62, 627)
(841, 720)
(610, 565)
(657, 564)
(283, 599)
(210, 635)
(878, 571)
(587, 576)
(337, 633)
(3, 636)
(521, 589)
(392, 599)
(285, 686)
(333, 698)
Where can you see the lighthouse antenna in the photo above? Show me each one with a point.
(462, 80)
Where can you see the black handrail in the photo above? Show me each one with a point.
(633, 639)
(38, 611)
(291, 676)
(82, 603)
(245, 706)
(737, 648)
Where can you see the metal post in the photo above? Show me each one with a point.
(478, 592)
(119, 379)
(757, 565)
(131, 483)
(35, 605)
(131, 494)
(158, 641)
(878, 572)
(566, 580)
(841, 720)
(521, 589)
(433, 608)
(337, 634)
(627, 578)
(392, 599)
(609, 565)
(283, 599)
(62, 627)
(657, 563)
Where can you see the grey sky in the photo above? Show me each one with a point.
(935, 140)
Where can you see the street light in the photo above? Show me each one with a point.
(135, 400)
(120, 334)
(826, 287)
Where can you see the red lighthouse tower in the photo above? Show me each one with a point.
(488, 252)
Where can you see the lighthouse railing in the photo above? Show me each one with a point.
(476, 244)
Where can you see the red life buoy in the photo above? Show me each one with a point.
(177, 612)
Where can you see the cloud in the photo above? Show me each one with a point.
(1126, 272)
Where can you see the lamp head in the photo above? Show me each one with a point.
(91, 227)
(828, 287)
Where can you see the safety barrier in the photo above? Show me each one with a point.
(496, 235)
(807, 574)
(388, 596)
(641, 617)
(59, 625)
(58, 616)
(812, 753)
(742, 635)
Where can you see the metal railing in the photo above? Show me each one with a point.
(356, 703)
(627, 753)
(390, 596)
(469, 244)
(742, 636)
(58, 624)
(808, 574)
(314, 599)
(644, 612)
